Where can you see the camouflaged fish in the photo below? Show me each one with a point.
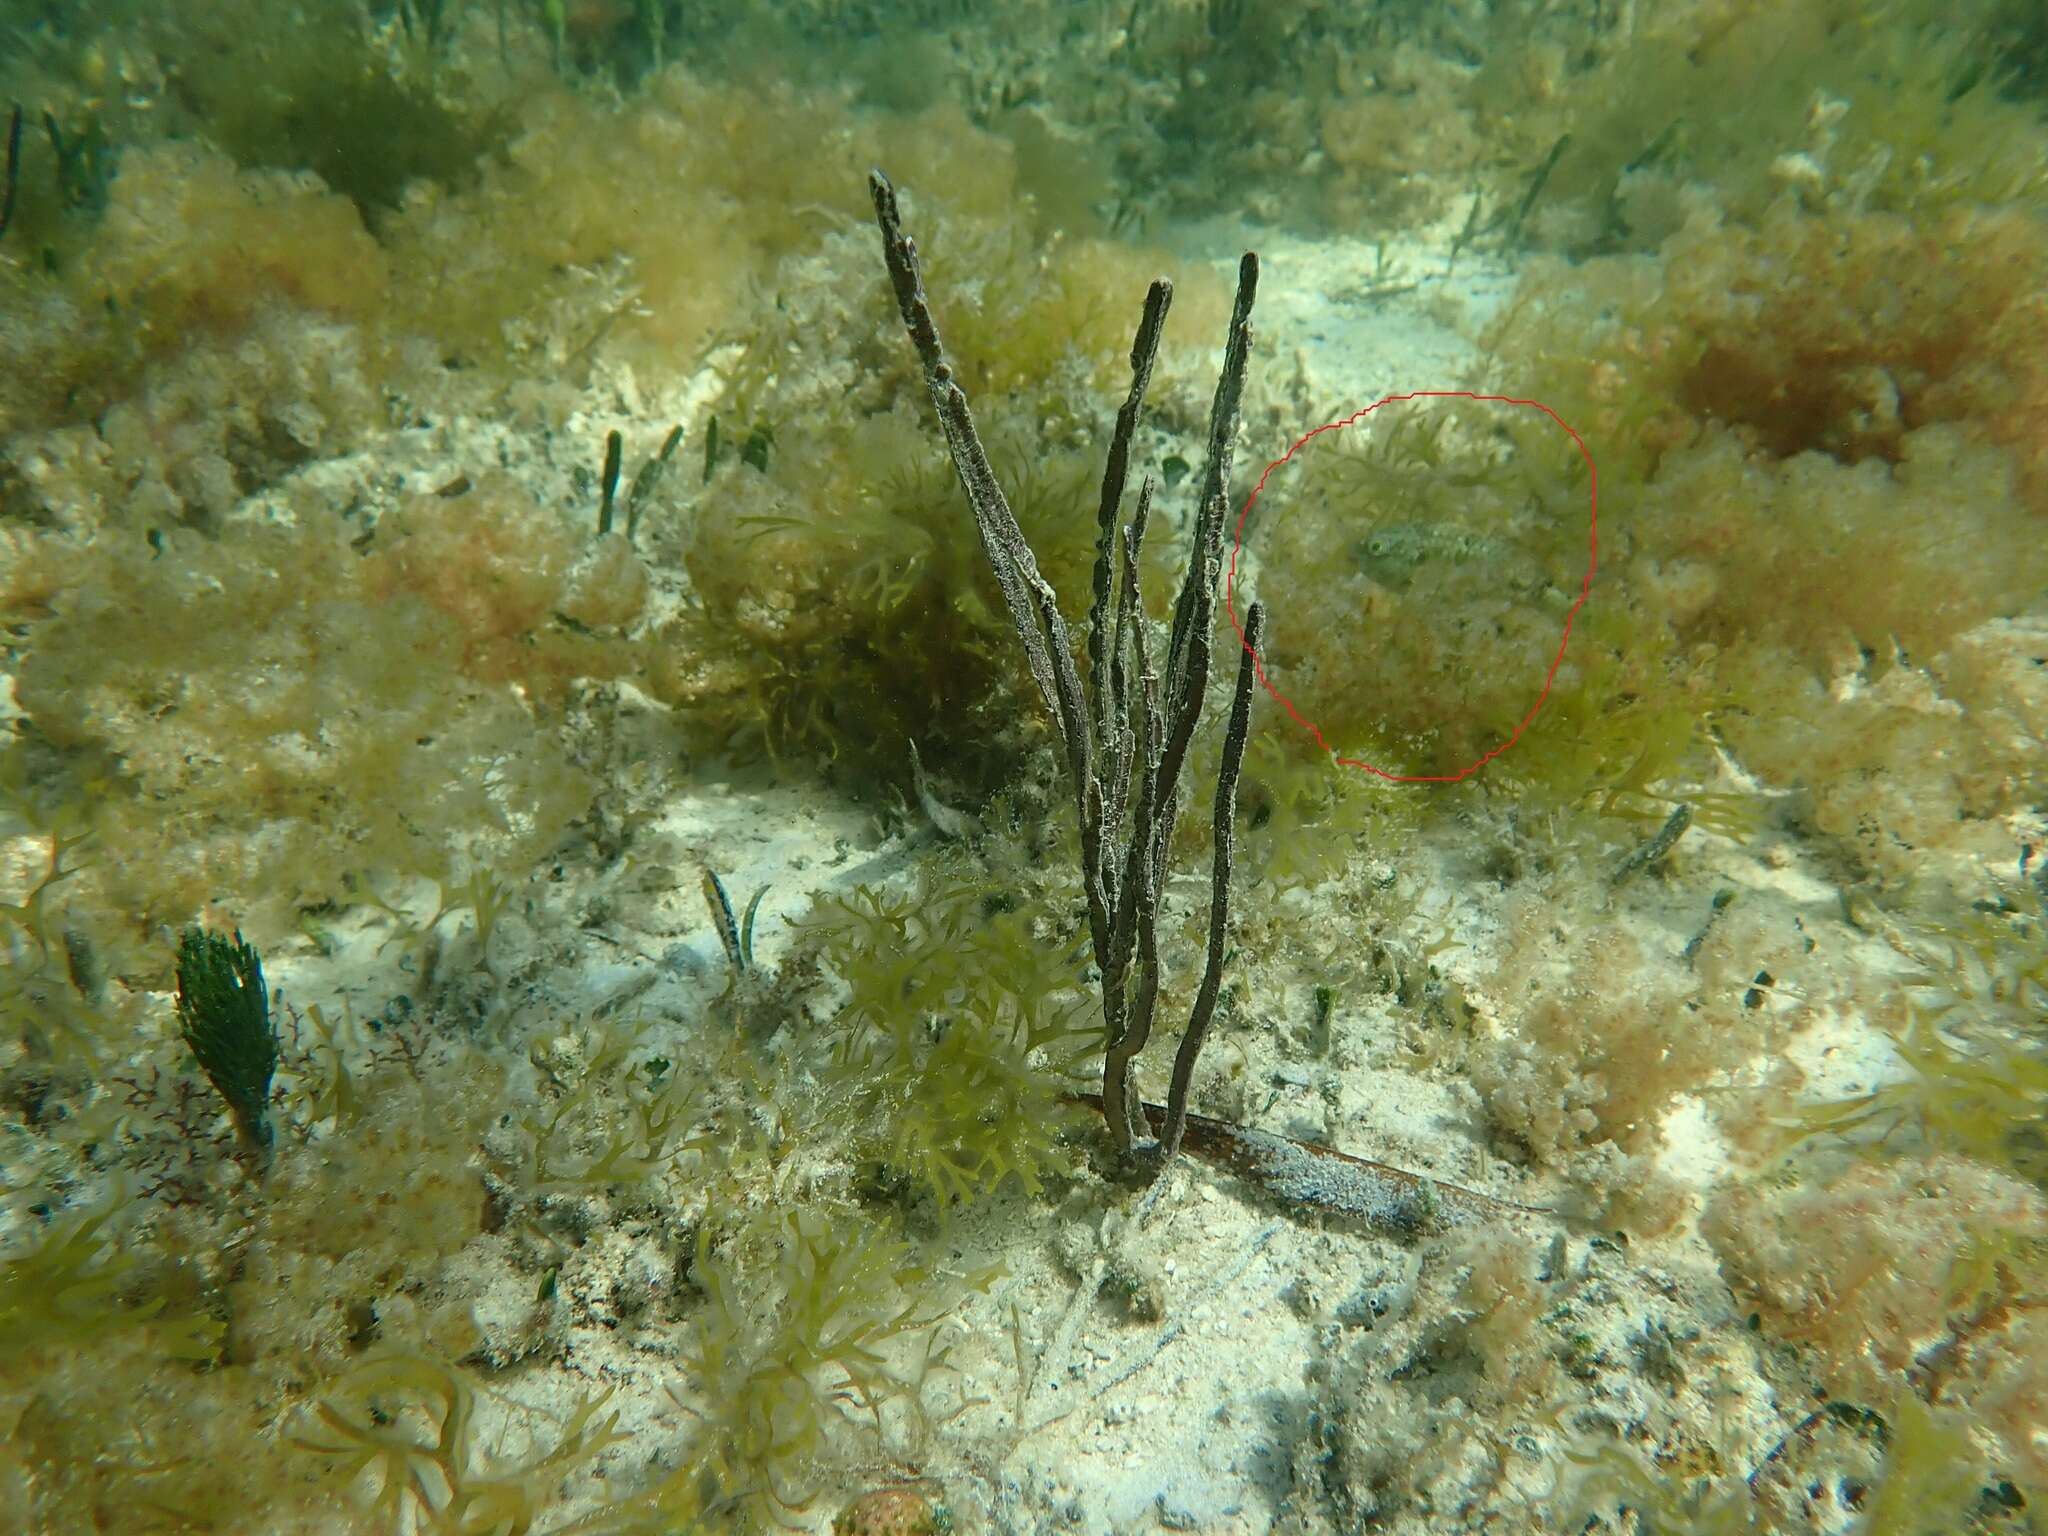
(1391, 555)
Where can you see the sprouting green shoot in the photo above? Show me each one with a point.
(614, 447)
(747, 927)
(735, 937)
(224, 1015)
(720, 907)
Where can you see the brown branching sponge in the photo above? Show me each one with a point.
(1126, 736)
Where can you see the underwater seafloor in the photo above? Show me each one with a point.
(472, 524)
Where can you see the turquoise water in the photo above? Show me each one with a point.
(614, 859)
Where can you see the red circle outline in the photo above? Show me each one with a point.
(1585, 586)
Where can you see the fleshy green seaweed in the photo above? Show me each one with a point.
(962, 1033)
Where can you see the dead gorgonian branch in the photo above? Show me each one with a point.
(1126, 735)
